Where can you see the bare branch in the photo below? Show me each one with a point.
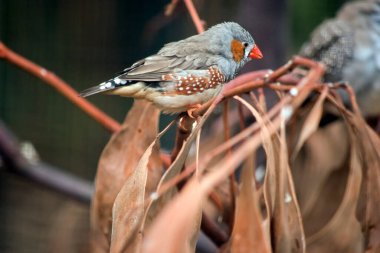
(41, 173)
(194, 16)
(61, 86)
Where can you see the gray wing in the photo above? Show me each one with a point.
(188, 54)
(152, 68)
(151, 71)
(172, 58)
(333, 44)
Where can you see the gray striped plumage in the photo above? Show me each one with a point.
(349, 46)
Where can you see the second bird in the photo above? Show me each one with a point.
(186, 73)
(349, 46)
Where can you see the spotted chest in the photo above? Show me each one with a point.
(192, 84)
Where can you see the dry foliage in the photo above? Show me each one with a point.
(320, 193)
(117, 171)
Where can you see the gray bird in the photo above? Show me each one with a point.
(185, 73)
(349, 46)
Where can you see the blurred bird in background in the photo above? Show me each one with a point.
(349, 46)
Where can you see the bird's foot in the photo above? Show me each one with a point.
(191, 110)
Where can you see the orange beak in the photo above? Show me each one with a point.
(255, 53)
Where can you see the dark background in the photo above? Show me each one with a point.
(86, 42)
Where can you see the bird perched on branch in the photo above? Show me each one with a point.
(349, 46)
(186, 73)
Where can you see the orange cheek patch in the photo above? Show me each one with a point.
(237, 50)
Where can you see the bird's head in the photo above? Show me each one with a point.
(362, 14)
(234, 43)
(241, 43)
(227, 46)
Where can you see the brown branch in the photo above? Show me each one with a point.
(315, 73)
(185, 126)
(263, 78)
(65, 89)
(213, 231)
(166, 159)
(169, 8)
(61, 86)
(241, 117)
(194, 16)
(232, 183)
(41, 173)
(305, 86)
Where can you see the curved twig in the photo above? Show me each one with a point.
(61, 86)
(194, 16)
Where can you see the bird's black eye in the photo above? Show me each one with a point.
(245, 44)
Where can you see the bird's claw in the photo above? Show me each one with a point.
(191, 110)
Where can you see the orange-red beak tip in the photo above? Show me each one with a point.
(255, 53)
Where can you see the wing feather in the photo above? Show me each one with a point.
(152, 69)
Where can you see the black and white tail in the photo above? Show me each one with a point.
(105, 87)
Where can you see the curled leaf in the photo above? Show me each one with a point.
(129, 206)
(117, 162)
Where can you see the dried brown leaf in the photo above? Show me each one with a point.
(372, 182)
(219, 204)
(178, 211)
(369, 199)
(156, 206)
(175, 168)
(128, 209)
(311, 122)
(288, 235)
(174, 228)
(117, 162)
(170, 7)
(186, 206)
(318, 175)
(248, 233)
(279, 195)
(329, 179)
(342, 232)
(270, 179)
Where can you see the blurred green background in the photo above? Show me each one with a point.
(86, 42)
